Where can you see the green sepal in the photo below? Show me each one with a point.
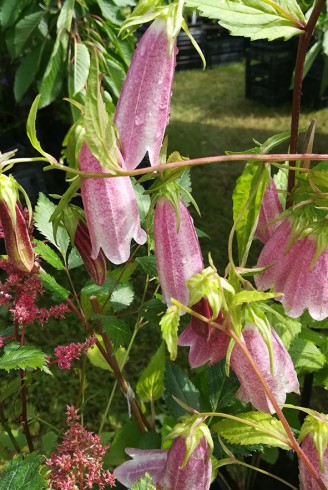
(62, 206)
(317, 426)
(9, 194)
(194, 43)
(169, 326)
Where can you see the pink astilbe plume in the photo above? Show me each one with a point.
(78, 463)
(66, 354)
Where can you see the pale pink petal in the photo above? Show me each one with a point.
(282, 381)
(197, 473)
(151, 461)
(291, 273)
(178, 254)
(207, 344)
(307, 482)
(143, 108)
(271, 208)
(111, 211)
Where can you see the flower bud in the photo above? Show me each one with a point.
(14, 227)
(96, 267)
(314, 439)
(111, 211)
(143, 108)
(178, 253)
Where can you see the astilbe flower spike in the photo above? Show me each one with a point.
(143, 108)
(167, 467)
(111, 211)
(78, 463)
(178, 253)
(281, 380)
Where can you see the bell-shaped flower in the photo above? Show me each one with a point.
(178, 253)
(176, 468)
(271, 208)
(207, 344)
(304, 285)
(14, 226)
(314, 442)
(111, 211)
(143, 108)
(96, 267)
(281, 380)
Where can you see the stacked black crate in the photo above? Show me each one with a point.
(315, 89)
(269, 69)
(221, 48)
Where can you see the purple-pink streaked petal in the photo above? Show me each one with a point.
(143, 108)
(291, 273)
(307, 482)
(151, 461)
(281, 381)
(207, 344)
(178, 254)
(111, 212)
(270, 209)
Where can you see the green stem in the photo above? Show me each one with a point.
(7, 428)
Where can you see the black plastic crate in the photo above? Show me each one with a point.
(273, 52)
(223, 58)
(225, 45)
(268, 83)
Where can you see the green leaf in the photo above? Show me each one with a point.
(143, 201)
(26, 72)
(118, 331)
(178, 384)
(10, 11)
(221, 388)
(22, 473)
(43, 211)
(12, 387)
(254, 175)
(74, 259)
(150, 385)
(306, 356)
(22, 357)
(237, 432)
(144, 483)
(52, 80)
(122, 297)
(148, 264)
(169, 326)
(24, 30)
(251, 297)
(31, 130)
(123, 274)
(48, 254)
(116, 73)
(287, 328)
(153, 310)
(50, 283)
(81, 67)
(267, 19)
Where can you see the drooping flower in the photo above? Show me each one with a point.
(271, 208)
(14, 227)
(292, 272)
(207, 344)
(143, 108)
(178, 253)
(314, 442)
(111, 212)
(281, 381)
(96, 267)
(171, 469)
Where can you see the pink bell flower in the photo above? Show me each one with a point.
(111, 211)
(271, 208)
(307, 482)
(281, 381)
(143, 108)
(178, 253)
(167, 468)
(207, 344)
(304, 286)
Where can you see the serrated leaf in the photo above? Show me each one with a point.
(48, 254)
(251, 297)
(50, 283)
(177, 383)
(43, 211)
(22, 357)
(148, 264)
(257, 20)
(237, 432)
(306, 356)
(144, 483)
(153, 310)
(221, 388)
(24, 30)
(254, 174)
(26, 72)
(150, 385)
(74, 259)
(169, 327)
(22, 473)
(81, 66)
(118, 331)
(143, 201)
(122, 297)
